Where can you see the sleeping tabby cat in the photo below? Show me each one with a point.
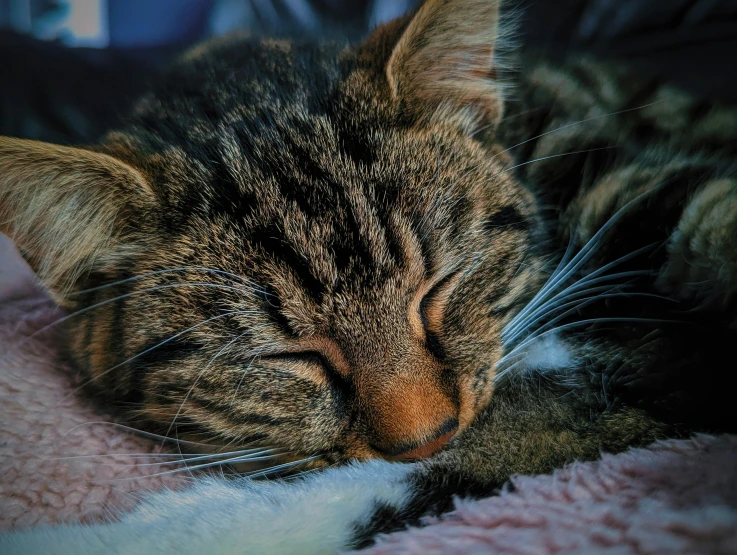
(426, 248)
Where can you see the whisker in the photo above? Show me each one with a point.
(126, 455)
(279, 467)
(501, 375)
(548, 308)
(577, 305)
(572, 124)
(543, 292)
(583, 255)
(579, 323)
(137, 432)
(586, 280)
(582, 303)
(199, 376)
(165, 341)
(588, 250)
(252, 286)
(245, 372)
(513, 354)
(255, 453)
(542, 158)
(231, 460)
(617, 262)
(132, 293)
(573, 289)
(182, 458)
(576, 286)
(563, 261)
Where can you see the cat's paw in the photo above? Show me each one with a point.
(702, 251)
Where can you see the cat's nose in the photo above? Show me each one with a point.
(422, 448)
(408, 411)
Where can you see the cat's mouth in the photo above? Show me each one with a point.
(426, 447)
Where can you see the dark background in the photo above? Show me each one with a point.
(54, 92)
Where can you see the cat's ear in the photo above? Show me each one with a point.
(67, 209)
(445, 60)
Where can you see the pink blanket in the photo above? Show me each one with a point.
(675, 497)
(44, 422)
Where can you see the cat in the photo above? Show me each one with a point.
(417, 265)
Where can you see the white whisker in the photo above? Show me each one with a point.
(582, 286)
(132, 293)
(583, 255)
(538, 334)
(245, 372)
(549, 307)
(231, 460)
(239, 280)
(582, 303)
(202, 373)
(136, 431)
(528, 162)
(122, 455)
(279, 467)
(181, 458)
(165, 341)
(572, 124)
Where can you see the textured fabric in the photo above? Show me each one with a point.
(675, 497)
(43, 420)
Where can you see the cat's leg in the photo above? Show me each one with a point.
(701, 267)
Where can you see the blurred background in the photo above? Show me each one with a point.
(69, 69)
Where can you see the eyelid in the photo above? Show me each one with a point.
(431, 316)
(304, 356)
(432, 293)
(326, 374)
(324, 349)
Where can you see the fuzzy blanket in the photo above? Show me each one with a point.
(61, 460)
(675, 497)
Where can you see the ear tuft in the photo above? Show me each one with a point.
(445, 60)
(66, 207)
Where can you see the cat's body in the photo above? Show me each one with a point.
(351, 254)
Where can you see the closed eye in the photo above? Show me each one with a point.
(314, 359)
(309, 357)
(431, 309)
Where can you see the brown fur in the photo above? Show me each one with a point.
(317, 247)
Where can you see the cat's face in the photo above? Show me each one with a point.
(363, 303)
(323, 252)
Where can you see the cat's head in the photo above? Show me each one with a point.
(307, 247)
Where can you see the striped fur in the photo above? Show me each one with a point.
(336, 252)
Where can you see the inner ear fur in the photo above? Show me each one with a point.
(67, 209)
(444, 61)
